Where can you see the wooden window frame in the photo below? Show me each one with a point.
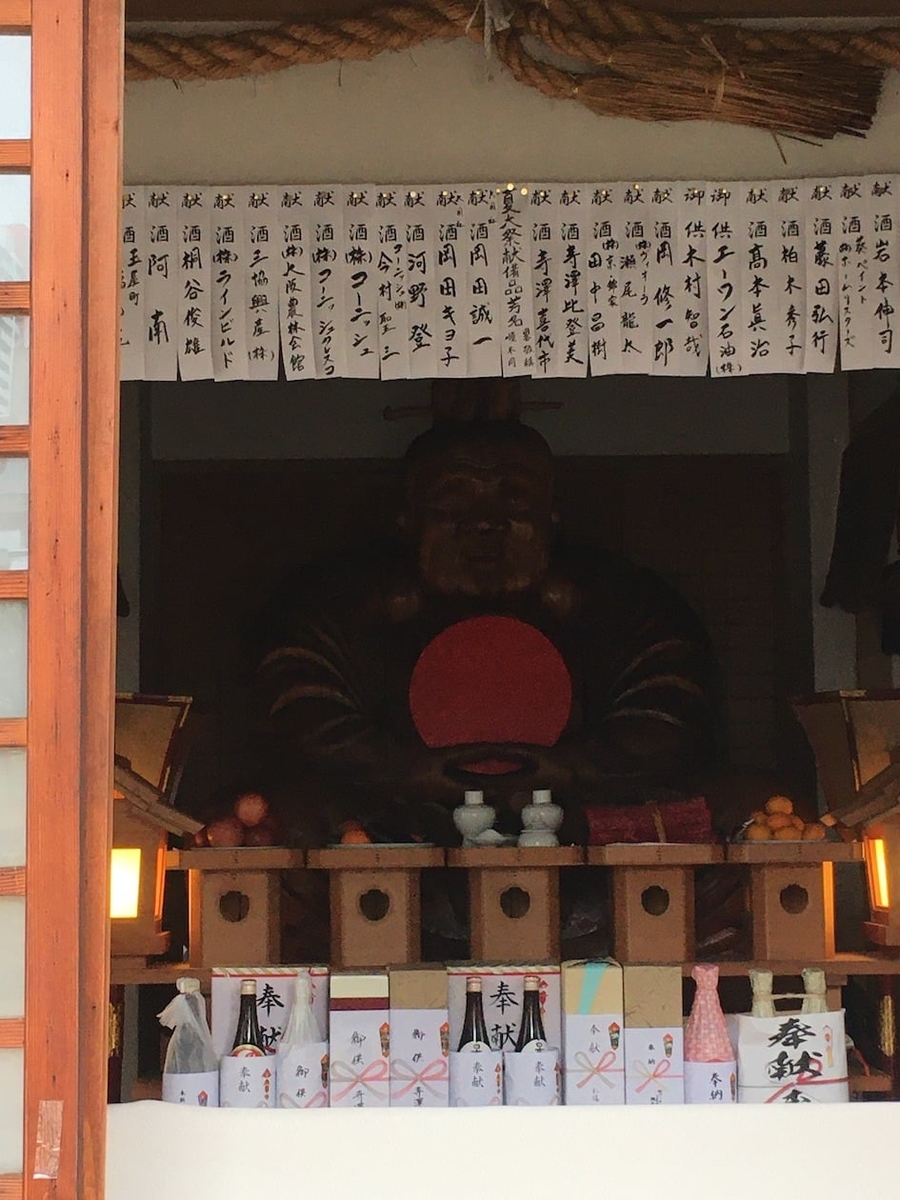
(74, 156)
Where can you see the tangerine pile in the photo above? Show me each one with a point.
(778, 822)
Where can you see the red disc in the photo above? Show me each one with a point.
(490, 679)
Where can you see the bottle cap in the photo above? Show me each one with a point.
(473, 798)
(248, 987)
(473, 983)
(541, 796)
(532, 983)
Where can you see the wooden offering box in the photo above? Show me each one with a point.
(514, 900)
(234, 902)
(792, 895)
(375, 902)
(653, 898)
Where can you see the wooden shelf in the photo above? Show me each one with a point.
(793, 853)
(654, 854)
(515, 857)
(374, 857)
(236, 858)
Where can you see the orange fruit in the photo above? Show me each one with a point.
(758, 817)
(797, 822)
(814, 832)
(779, 804)
(781, 821)
(757, 833)
(787, 833)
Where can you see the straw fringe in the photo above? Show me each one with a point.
(620, 61)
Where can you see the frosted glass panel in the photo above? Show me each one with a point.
(12, 807)
(13, 514)
(12, 1119)
(13, 657)
(15, 87)
(14, 340)
(12, 956)
(15, 226)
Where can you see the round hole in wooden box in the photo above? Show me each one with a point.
(655, 900)
(374, 904)
(515, 902)
(234, 906)
(794, 899)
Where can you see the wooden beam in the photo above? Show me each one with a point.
(317, 10)
(12, 1033)
(12, 881)
(15, 155)
(15, 297)
(13, 731)
(11, 1186)
(13, 585)
(15, 16)
(14, 439)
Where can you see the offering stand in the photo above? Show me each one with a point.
(234, 902)
(514, 900)
(375, 904)
(791, 896)
(653, 898)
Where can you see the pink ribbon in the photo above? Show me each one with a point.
(403, 1072)
(662, 1068)
(375, 1072)
(804, 1080)
(601, 1069)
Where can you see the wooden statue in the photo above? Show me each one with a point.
(480, 651)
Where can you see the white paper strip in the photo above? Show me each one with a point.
(788, 240)
(451, 313)
(885, 261)
(543, 251)
(393, 324)
(631, 206)
(294, 288)
(573, 230)
(327, 240)
(420, 253)
(854, 281)
(728, 341)
(132, 282)
(517, 305)
(163, 284)
(195, 290)
(483, 307)
(759, 305)
(229, 332)
(261, 262)
(675, 291)
(360, 283)
(692, 251)
(602, 280)
(822, 241)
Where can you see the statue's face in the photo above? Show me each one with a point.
(482, 517)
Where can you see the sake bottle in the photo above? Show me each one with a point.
(474, 1036)
(248, 1042)
(531, 1031)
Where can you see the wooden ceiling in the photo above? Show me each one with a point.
(306, 10)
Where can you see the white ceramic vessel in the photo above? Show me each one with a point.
(540, 820)
(473, 817)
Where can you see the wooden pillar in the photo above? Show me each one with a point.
(792, 896)
(375, 904)
(514, 900)
(234, 903)
(653, 898)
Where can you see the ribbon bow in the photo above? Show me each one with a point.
(375, 1072)
(662, 1068)
(601, 1069)
(431, 1073)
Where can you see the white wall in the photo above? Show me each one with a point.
(441, 112)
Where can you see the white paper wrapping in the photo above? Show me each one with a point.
(476, 1079)
(200, 1088)
(532, 1078)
